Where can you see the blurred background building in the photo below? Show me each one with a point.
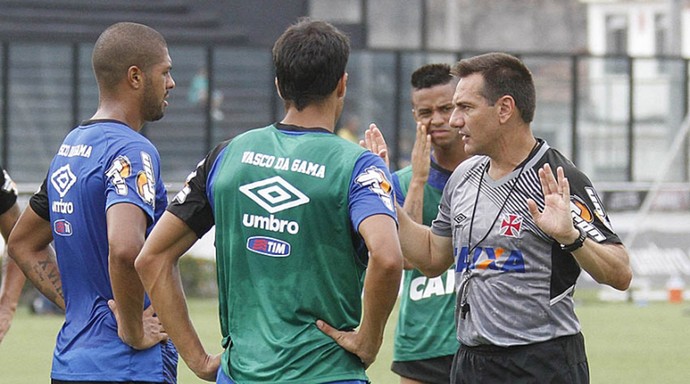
(611, 74)
(612, 83)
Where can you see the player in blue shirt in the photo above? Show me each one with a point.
(100, 199)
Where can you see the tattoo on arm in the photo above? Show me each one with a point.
(46, 272)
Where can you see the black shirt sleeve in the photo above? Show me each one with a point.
(191, 204)
(8, 192)
(587, 208)
(39, 201)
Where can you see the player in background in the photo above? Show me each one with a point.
(425, 340)
(100, 199)
(12, 277)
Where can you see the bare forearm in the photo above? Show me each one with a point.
(12, 283)
(414, 240)
(29, 246)
(13, 278)
(414, 206)
(419, 249)
(606, 263)
(381, 287)
(157, 266)
(126, 234)
(42, 270)
(128, 293)
(164, 285)
(414, 200)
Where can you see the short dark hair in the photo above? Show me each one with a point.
(431, 75)
(123, 45)
(309, 58)
(503, 74)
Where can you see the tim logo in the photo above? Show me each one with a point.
(62, 227)
(376, 180)
(268, 246)
(510, 225)
(498, 259)
(274, 194)
(63, 179)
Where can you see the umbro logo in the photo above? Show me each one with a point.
(459, 218)
(274, 194)
(62, 180)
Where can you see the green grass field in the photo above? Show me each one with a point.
(625, 343)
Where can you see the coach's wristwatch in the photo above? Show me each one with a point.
(577, 244)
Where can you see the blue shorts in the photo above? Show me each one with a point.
(222, 378)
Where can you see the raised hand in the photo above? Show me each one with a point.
(421, 152)
(153, 332)
(374, 142)
(556, 219)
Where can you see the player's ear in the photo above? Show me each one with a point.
(341, 87)
(506, 108)
(275, 81)
(135, 77)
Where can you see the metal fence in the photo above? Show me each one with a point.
(615, 116)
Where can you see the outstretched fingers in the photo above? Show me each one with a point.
(564, 185)
(422, 140)
(555, 218)
(548, 180)
(421, 152)
(554, 184)
(374, 142)
(533, 209)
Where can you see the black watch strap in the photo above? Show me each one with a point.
(577, 244)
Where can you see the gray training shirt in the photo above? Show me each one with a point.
(520, 283)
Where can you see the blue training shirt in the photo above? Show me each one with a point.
(99, 164)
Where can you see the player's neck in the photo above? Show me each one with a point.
(449, 158)
(510, 157)
(123, 109)
(312, 116)
(134, 124)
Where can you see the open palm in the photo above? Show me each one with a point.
(555, 220)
